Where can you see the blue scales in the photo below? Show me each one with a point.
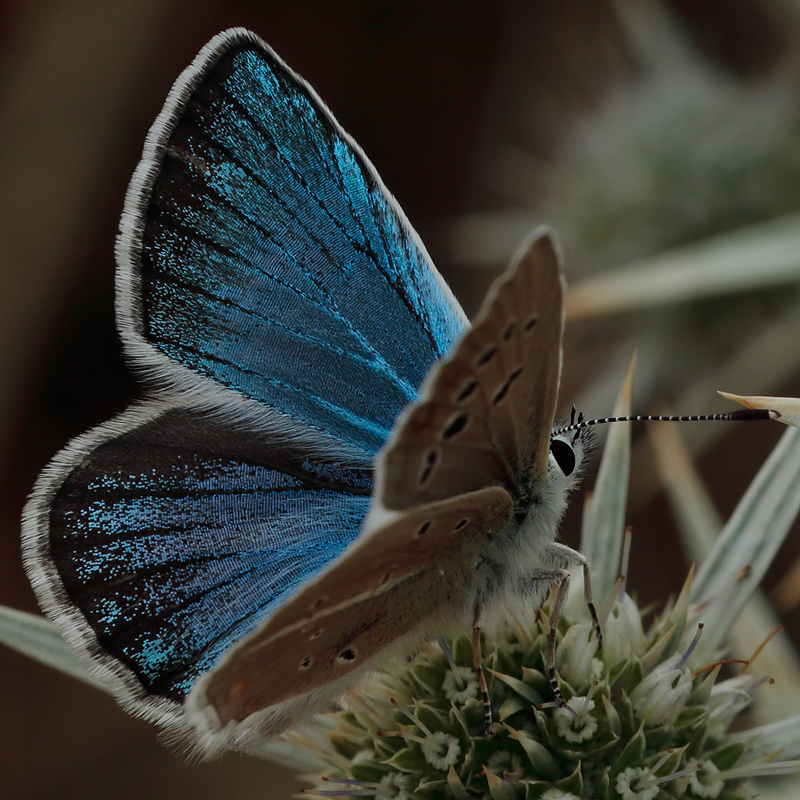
(281, 313)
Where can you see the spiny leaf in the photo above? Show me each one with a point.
(36, 637)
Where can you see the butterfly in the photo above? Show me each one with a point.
(330, 465)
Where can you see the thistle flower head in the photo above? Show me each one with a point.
(637, 727)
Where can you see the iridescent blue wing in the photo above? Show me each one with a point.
(260, 250)
(282, 312)
(166, 535)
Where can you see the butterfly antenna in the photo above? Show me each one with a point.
(745, 415)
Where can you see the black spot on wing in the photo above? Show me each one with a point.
(501, 393)
(456, 426)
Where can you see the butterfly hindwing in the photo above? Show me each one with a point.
(486, 413)
(407, 576)
(260, 249)
(162, 538)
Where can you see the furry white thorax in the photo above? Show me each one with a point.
(517, 569)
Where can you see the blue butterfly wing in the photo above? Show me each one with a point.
(173, 539)
(283, 313)
(263, 252)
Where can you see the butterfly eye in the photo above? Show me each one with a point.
(564, 455)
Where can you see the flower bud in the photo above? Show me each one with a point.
(576, 659)
(661, 696)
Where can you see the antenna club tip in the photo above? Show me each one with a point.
(747, 414)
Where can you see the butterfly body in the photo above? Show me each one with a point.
(331, 465)
(510, 568)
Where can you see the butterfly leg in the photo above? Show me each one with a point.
(560, 577)
(574, 557)
(476, 662)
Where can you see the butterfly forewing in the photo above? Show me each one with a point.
(486, 412)
(260, 249)
(387, 584)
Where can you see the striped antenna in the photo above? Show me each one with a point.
(744, 415)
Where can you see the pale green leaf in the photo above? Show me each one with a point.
(606, 517)
(34, 636)
(750, 540)
(699, 525)
(698, 521)
(762, 255)
(787, 408)
(499, 789)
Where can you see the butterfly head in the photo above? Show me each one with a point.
(571, 443)
(570, 447)
(540, 505)
(569, 453)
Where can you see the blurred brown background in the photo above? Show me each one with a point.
(428, 89)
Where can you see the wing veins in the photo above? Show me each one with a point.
(178, 225)
(269, 236)
(143, 494)
(199, 560)
(371, 364)
(188, 601)
(342, 413)
(366, 249)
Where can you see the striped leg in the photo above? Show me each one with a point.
(562, 578)
(476, 662)
(575, 557)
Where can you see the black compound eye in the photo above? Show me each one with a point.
(564, 455)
